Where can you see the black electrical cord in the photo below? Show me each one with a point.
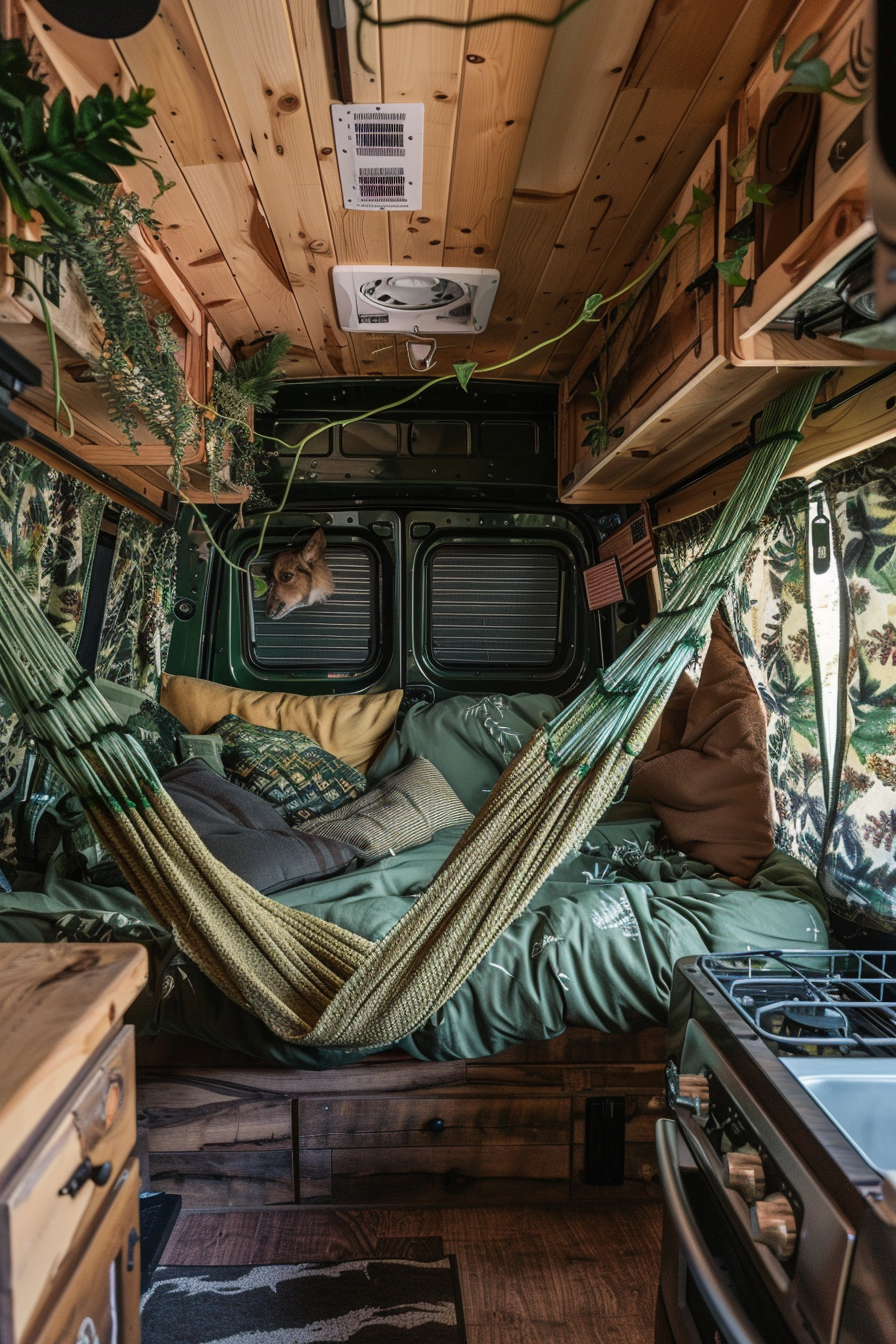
(362, 7)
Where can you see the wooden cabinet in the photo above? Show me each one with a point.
(398, 1131)
(68, 1176)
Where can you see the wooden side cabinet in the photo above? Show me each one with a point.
(69, 1177)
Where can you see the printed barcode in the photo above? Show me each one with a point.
(382, 139)
(375, 184)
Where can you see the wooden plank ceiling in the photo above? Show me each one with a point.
(550, 154)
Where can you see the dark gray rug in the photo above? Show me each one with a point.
(361, 1302)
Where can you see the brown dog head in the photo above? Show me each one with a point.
(299, 578)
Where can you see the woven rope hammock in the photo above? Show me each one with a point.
(307, 979)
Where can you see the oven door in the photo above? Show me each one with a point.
(710, 1292)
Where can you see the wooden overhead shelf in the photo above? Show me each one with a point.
(686, 366)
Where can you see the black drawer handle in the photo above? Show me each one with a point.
(86, 1172)
(436, 1126)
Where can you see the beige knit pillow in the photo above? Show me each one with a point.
(405, 810)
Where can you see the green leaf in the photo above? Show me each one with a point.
(24, 246)
(778, 52)
(464, 372)
(259, 587)
(669, 231)
(72, 187)
(61, 126)
(83, 162)
(88, 119)
(104, 149)
(49, 207)
(31, 125)
(758, 192)
(801, 52)
(592, 303)
(703, 200)
(811, 77)
(730, 270)
(738, 166)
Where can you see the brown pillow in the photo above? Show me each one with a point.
(353, 727)
(704, 768)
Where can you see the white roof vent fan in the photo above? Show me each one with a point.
(414, 301)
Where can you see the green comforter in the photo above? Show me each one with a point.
(596, 947)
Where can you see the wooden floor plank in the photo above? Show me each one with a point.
(526, 1273)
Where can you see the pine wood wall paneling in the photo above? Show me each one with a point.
(498, 96)
(254, 58)
(168, 55)
(692, 60)
(424, 64)
(502, 73)
(589, 56)
(360, 237)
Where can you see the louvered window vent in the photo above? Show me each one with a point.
(496, 606)
(340, 634)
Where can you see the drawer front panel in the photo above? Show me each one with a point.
(433, 1122)
(103, 1287)
(39, 1224)
(445, 1176)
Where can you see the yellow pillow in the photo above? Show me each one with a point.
(353, 727)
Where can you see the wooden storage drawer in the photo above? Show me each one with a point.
(102, 1289)
(433, 1150)
(386, 1122)
(39, 1224)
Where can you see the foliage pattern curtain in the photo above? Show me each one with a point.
(859, 865)
(139, 608)
(49, 524)
(769, 617)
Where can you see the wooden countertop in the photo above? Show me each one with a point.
(58, 1002)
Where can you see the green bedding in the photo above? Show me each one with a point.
(596, 947)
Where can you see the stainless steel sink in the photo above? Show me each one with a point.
(859, 1095)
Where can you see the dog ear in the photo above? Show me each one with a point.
(314, 549)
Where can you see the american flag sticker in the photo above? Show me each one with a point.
(633, 546)
(603, 584)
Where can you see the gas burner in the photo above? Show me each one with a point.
(813, 1002)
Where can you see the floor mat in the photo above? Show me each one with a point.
(358, 1302)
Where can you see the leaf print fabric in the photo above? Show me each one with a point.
(140, 604)
(859, 865)
(769, 617)
(49, 524)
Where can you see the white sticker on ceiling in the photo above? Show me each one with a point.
(379, 147)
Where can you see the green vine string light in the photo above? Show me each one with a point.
(463, 372)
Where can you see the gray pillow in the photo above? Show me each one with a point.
(405, 810)
(248, 835)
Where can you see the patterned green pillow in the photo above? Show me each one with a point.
(294, 774)
(158, 731)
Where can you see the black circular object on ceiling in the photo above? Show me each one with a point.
(103, 18)
(184, 608)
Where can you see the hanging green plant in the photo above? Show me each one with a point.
(51, 157)
(138, 368)
(233, 452)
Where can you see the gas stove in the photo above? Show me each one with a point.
(817, 1004)
(779, 1168)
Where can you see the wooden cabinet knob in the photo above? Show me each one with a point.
(436, 1126)
(773, 1222)
(745, 1174)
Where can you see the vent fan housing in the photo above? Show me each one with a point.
(414, 301)
(379, 148)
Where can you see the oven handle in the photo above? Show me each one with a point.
(727, 1311)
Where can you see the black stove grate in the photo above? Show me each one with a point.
(802, 1003)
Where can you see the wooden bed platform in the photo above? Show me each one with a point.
(225, 1131)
